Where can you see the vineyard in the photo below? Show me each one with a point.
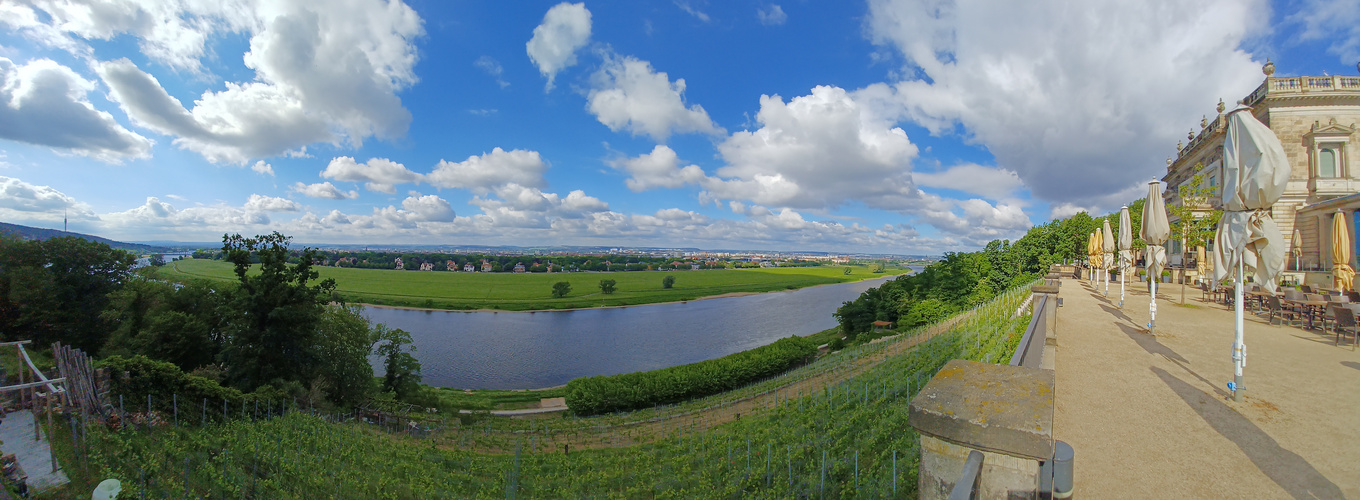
(832, 428)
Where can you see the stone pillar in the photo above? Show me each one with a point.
(1006, 412)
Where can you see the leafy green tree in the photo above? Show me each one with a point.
(345, 341)
(607, 286)
(273, 333)
(55, 289)
(181, 325)
(1194, 220)
(402, 375)
(561, 289)
(668, 281)
(157, 260)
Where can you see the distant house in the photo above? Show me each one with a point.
(694, 266)
(550, 267)
(467, 268)
(451, 265)
(486, 266)
(882, 325)
(400, 265)
(519, 267)
(426, 266)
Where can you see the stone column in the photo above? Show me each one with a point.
(1006, 412)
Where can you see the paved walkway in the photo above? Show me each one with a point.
(1150, 416)
(16, 436)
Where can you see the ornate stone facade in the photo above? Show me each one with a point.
(1316, 119)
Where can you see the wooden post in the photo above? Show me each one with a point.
(22, 378)
(51, 448)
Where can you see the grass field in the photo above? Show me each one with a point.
(533, 291)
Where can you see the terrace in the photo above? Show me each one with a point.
(1151, 415)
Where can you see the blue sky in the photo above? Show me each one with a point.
(884, 126)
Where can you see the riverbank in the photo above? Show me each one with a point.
(708, 297)
(532, 292)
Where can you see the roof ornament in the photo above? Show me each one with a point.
(1269, 68)
(1180, 145)
(1190, 136)
(1203, 122)
(1221, 107)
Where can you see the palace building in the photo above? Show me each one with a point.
(1316, 119)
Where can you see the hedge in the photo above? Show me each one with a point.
(137, 377)
(632, 391)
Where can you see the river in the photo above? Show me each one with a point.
(524, 350)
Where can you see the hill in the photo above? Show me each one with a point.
(37, 233)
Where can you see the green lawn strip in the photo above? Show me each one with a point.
(483, 399)
(517, 292)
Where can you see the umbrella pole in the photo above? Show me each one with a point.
(1121, 287)
(1152, 304)
(1239, 349)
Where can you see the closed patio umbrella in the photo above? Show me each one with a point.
(1091, 257)
(1255, 173)
(1125, 248)
(1107, 257)
(1156, 229)
(1201, 266)
(1098, 252)
(1342, 274)
(1296, 248)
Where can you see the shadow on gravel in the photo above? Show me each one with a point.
(1286, 468)
(1351, 364)
(1150, 344)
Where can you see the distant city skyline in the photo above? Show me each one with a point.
(885, 127)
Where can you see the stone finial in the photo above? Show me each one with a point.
(1203, 121)
(1269, 68)
(1180, 145)
(1190, 136)
(1221, 107)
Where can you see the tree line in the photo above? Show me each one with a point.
(965, 279)
(277, 328)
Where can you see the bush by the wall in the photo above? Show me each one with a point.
(631, 391)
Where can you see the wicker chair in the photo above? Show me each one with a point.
(1305, 289)
(1345, 323)
(1274, 309)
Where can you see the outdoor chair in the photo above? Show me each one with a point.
(1345, 323)
(1329, 317)
(1305, 289)
(1353, 296)
(1274, 309)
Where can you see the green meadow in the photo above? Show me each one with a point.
(533, 291)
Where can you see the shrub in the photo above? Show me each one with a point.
(631, 391)
(137, 377)
(668, 281)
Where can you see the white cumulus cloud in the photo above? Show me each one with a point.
(261, 167)
(35, 201)
(627, 94)
(45, 103)
(378, 174)
(565, 29)
(1096, 92)
(260, 203)
(322, 73)
(323, 190)
(657, 169)
(484, 172)
(990, 182)
(771, 15)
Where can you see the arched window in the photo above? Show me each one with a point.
(1327, 164)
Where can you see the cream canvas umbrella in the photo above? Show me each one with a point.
(1125, 249)
(1342, 274)
(1156, 229)
(1098, 252)
(1090, 257)
(1296, 248)
(1255, 173)
(1107, 259)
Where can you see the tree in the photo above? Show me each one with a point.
(607, 286)
(273, 332)
(345, 341)
(561, 289)
(1195, 220)
(157, 260)
(54, 290)
(668, 281)
(402, 375)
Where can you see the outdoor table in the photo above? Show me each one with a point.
(1309, 308)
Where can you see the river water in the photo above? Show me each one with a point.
(524, 350)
